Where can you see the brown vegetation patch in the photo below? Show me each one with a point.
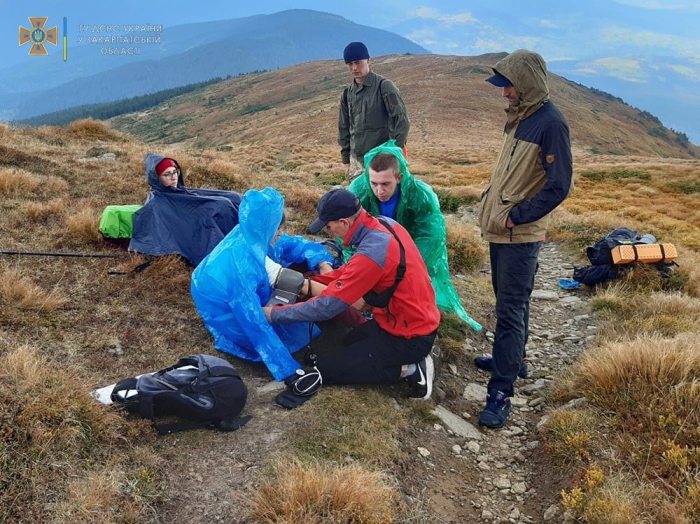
(17, 182)
(317, 493)
(84, 226)
(53, 433)
(218, 175)
(12, 157)
(89, 129)
(17, 291)
(40, 212)
(465, 250)
(303, 200)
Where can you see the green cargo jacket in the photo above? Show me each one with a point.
(370, 115)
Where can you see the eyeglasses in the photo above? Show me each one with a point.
(169, 173)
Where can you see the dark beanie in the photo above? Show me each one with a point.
(164, 164)
(355, 51)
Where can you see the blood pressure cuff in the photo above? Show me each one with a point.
(286, 288)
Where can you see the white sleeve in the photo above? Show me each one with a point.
(273, 270)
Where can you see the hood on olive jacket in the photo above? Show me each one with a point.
(527, 72)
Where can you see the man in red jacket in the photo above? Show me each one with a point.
(388, 273)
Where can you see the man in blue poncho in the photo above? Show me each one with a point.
(231, 284)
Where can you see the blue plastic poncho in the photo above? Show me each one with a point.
(231, 283)
(177, 220)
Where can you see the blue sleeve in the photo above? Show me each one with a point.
(558, 167)
(289, 250)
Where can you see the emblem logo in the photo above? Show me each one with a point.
(37, 36)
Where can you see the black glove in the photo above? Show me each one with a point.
(300, 387)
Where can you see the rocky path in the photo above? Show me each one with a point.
(463, 473)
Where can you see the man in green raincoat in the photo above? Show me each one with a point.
(387, 188)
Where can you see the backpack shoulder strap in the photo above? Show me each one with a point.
(122, 386)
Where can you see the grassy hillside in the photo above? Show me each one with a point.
(67, 325)
(448, 102)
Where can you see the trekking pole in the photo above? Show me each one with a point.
(49, 254)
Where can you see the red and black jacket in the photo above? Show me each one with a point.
(411, 311)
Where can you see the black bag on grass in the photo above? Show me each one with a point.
(203, 389)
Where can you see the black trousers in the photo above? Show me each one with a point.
(513, 268)
(372, 356)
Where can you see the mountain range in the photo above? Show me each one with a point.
(449, 104)
(186, 54)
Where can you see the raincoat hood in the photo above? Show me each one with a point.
(177, 220)
(231, 284)
(259, 217)
(527, 71)
(418, 210)
(391, 148)
(149, 166)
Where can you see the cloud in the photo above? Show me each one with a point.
(648, 39)
(547, 23)
(425, 12)
(626, 69)
(430, 13)
(692, 74)
(683, 5)
(462, 18)
(500, 42)
(419, 35)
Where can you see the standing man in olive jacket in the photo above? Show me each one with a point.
(533, 175)
(371, 112)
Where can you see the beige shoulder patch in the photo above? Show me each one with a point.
(550, 159)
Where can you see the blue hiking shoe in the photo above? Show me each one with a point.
(496, 411)
(485, 363)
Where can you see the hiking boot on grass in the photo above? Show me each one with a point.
(421, 382)
(485, 363)
(496, 411)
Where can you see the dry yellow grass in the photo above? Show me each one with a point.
(315, 493)
(465, 250)
(17, 181)
(84, 226)
(90, 129)
(646, 365)
(651, 386)
(39, 211)
(58, 434)
(17, 291)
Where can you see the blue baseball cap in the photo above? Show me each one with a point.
(499, 80)
(334, 205)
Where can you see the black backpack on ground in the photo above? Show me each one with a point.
(203, 389)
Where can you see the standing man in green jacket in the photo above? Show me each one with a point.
(371, 112)
(533, 175)
(387, 188)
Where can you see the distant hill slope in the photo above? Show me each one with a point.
(193, 53)
(448, 101)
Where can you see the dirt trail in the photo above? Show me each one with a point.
(503, 475)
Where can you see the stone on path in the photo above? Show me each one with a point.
(457, 424)
(473, 391)
(542, 294)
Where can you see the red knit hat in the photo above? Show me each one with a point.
(165, 164)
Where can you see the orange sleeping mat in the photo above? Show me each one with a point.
(645, 253)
